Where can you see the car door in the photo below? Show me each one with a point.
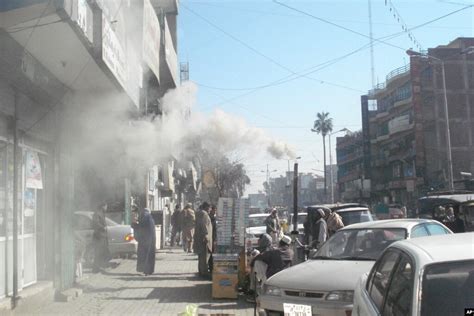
(83, 227)
(373, 294)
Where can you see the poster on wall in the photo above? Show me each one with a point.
(30, 202)
(33, 175)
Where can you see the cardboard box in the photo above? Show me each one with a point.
(224, 285)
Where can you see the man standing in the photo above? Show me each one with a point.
(99, 238)
(333, 221)
(203, 239)
(273, 225)
(188, 221)
(176, 222)
(145, 234)
(320, 229)
(213, 215)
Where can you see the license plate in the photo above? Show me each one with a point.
(296, 310)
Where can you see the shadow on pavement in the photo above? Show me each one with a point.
(183, 294)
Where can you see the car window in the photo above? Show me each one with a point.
(419, 231)
(257, 221)
(399, 296)
(448, 288)
(82, 222)
(380, 278)
(436, 229)
(353, 217)
(359, 244)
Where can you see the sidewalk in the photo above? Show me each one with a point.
(121, 291)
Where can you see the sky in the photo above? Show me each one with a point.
(238, 50)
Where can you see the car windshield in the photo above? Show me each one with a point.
(448, 288)
(353, 217)
(301, 218)
(359, 244)
(257, 221)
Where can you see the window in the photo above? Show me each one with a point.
(380, 277)
(436, 229)
(399, 296)
(419, 231)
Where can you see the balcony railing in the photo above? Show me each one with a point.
(391, 75)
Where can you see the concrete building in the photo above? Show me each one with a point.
(353, 184)
(404, 125)
(55, 58)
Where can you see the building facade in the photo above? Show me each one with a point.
(56, 58)
(404, 125)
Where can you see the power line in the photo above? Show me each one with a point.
(331, 62)
(335, 24)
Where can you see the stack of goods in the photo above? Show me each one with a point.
(241, 220)
(225, 210)
(225, 276)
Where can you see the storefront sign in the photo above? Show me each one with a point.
(33, 175)
(151, 38)
(112, 52)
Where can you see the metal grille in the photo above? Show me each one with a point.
(304, 294)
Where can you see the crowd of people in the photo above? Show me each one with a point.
(196, 232)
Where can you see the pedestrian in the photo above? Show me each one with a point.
(272, 224)
(213, 215)
(176, 222)
(99, 238)
(145, 234)
(203, 239)
(258, 269)
(276, 259)
(333, 221)
(453, 222)
(319, 230)
(188, 220)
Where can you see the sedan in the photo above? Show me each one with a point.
(423, 276)
(120, 237)
(325, 285)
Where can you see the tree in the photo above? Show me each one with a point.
(323, 126)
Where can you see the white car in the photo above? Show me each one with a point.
(423, 276)
(256, 227)
(325, 284)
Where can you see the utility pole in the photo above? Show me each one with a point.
(371, 35)
(295, 198)
(15, 203)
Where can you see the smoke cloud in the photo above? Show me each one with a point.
(112, 144)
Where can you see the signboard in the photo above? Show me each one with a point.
(151, 38)
(34, 179)
(112, 52)
(399, 123)
(296, 310)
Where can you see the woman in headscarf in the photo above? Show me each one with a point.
(145, 234)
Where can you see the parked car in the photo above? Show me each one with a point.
(301, 219)
(256, 227)
(326, 282)
(355, 214)
(423, 276)
(120, 237)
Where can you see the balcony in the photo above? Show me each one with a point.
(392, 76)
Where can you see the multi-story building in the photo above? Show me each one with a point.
(404, 124)
(58, 58)
(353, 184)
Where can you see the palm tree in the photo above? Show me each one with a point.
(323, 126)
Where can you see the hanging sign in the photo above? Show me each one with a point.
(33, 175)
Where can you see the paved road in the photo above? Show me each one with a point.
(121, 291)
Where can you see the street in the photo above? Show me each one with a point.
(122, 291)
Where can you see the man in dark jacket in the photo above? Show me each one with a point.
(213, 215)
(277, 259)
(145, 234)
(99, 237)
(176, 222)
(203, 239)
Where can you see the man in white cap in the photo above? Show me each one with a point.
(277, 259)
(320, 229)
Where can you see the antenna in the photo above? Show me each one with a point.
(371, 35)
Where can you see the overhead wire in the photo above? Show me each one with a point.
(289, 78)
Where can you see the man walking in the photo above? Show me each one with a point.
(99, 238)
(145, 234)
(203, 239)
(188, 220)
(176, 222)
